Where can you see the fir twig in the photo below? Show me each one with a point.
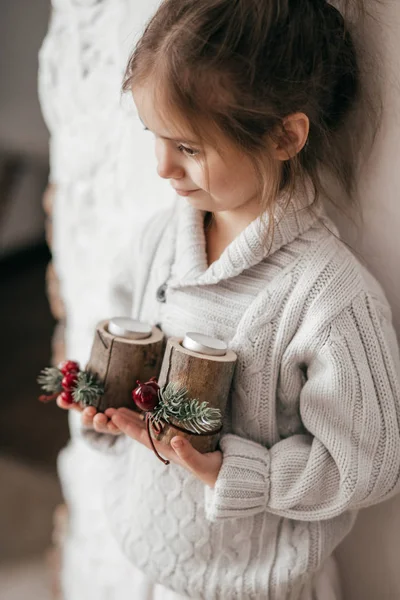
(195, 416)
(50, 380)
(88, 388)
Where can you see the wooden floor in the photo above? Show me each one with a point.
(29, 430)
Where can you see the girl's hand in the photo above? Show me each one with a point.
(90, 418)
(205, 467)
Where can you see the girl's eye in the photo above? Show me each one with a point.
(188, 151)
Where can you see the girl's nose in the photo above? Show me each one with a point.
(168, 166)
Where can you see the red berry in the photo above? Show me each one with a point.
(145, 396)
(67, 397)
(68, 381)
(153, 383)
(68, 366)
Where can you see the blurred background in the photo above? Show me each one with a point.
(31, 433)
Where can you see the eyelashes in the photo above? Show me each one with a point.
(188, 151)
(191, 152)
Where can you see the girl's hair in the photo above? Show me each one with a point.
(243, 66)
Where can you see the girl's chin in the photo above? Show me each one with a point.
(201, 200)
(198, 201)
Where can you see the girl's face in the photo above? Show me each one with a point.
(233, 183)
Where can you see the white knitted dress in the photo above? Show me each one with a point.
(312, 432)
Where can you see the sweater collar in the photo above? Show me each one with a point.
(291, 219)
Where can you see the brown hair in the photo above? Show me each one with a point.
(244, 65)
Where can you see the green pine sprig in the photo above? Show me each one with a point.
(88, 388)
(50, 380)
(175, 406)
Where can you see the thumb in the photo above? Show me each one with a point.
(187, 454)
(205, 467)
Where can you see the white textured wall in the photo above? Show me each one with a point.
(370, 557)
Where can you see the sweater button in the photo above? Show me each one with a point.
(161, 293)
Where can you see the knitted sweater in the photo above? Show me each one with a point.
(312, 430)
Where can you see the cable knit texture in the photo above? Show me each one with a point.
(312, 430)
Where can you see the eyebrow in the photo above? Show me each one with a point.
(168, 138)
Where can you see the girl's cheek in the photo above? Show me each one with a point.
(199, 177)
(220, 181)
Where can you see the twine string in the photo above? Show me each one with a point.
(150, 424)
(45, 398)
(158, 428)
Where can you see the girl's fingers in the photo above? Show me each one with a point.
(130, 423)
(126, 413)
(113, 429)
(100, 423)
(109, 412)
(128, 417)
(90, 411)
(131, 415)
(205, 467)
(91, 419)
(87, 416)
(67, 406)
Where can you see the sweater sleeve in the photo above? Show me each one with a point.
(349, 454)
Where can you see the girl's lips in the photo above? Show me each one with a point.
(185, 193)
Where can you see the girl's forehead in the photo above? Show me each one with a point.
(157, 114)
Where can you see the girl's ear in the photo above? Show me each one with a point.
(292, 137)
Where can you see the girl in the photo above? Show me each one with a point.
(246, 99)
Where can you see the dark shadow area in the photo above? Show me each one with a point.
(29, 430)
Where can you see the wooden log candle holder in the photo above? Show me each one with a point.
(204, 367)
(124, 351)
